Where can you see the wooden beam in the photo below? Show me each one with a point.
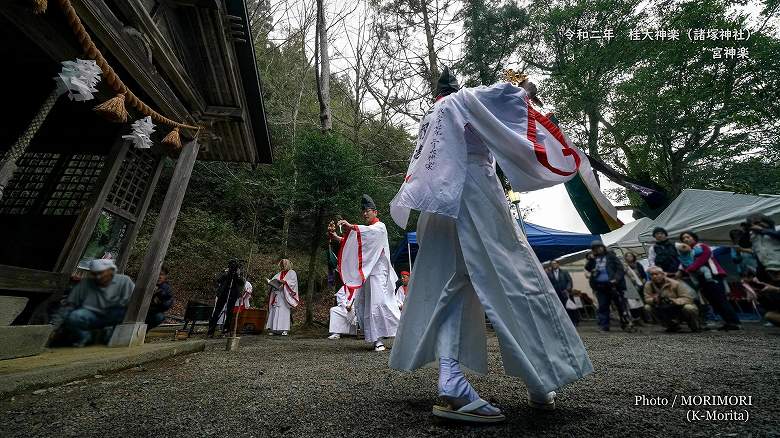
(163, 53)
(102, 23)
(32, 280)
(127, 246)
(85, 225)
(227, 112)
(161, 237)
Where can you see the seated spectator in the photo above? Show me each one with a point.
(669, 302)
(766, 246)
(97, 302)
(162, 300)
(710, 276)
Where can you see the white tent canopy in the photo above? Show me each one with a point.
(626, 236)
(711, 214)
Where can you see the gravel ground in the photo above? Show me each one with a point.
(311, 387)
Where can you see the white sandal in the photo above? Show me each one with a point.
(468, 413)
(546, 405)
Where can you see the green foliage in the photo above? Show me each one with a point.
(659, 111)
(493, 29)
(333, 177)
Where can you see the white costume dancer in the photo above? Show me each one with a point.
(474, 259)
(343, 320)
(282, 298)
(364, 262)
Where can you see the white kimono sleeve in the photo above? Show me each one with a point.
(529, 147)
(290, 289)
(360, 251)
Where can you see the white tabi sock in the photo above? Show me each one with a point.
(454, 386)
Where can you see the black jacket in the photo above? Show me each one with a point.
(562, 285)
(614, 271)
(162, 299)
(666, 256)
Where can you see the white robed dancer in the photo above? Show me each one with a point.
(343, 320)
(473, 258)
(364, 262)
(283, 296)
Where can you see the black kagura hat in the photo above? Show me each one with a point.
(447, 83)
(367, 203)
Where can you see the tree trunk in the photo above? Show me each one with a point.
(313, 253)
(288, 213)
(290, 210)
(432, 62)
(323, 77)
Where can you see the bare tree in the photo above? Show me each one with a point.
(322, 61)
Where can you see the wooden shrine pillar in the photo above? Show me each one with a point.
(132, 332)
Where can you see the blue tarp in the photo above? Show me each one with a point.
(400, 257)
(547, 243)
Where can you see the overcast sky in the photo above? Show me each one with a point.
(552, 208)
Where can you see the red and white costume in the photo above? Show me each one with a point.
(342, 321)
(364, 262)
(281, 301)
(400, 294)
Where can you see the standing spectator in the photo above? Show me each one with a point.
(607, 279)
(766, 247)
(162, 300)
(562, 283)
(663, 252)
(766, 295)
(635, 282)
(669, 302)
(742, 252)
(229, 287)
(710, 276)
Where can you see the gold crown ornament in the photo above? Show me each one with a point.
(514, 77)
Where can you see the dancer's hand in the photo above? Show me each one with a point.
(344, 223)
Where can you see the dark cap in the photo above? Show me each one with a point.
(367, 203)
(447, 83)
(659, 230)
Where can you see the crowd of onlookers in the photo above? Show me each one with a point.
(683, 283)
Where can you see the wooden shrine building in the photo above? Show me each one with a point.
(80, 191)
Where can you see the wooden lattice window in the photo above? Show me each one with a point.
(29, 183)
(75, 185)
(134, 175)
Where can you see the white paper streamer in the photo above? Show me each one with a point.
(78, 78)
(141, 136)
